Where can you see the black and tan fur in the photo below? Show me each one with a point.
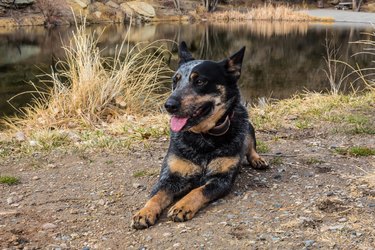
(204, 155)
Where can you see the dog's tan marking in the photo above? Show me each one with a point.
(182, 167)
(193, 75)
(210, 122)
(196, 100)
(222, 164)
(234, 68)
(188, 206)
(148, 215)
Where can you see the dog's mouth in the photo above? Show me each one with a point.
(178, 123)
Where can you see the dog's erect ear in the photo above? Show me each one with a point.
(234, 63)
(184, 54)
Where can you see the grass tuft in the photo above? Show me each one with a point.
(356, 151)
(9, 180)
(89, 89)
(267, 12)
(262, 147)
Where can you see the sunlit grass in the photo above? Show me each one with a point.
(89, 89)
(356, 151)
(9, 180)
(267, 12)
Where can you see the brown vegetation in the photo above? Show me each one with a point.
(88, 88)
(266, 12)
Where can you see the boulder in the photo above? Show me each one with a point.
(142, 8)
(82, 3)
(112, 4)
(127, 10)
(16, 3)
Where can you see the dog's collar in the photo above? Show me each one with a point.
(221, 129)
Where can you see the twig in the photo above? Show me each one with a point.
(278, 155)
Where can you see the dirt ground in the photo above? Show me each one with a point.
(310, 198)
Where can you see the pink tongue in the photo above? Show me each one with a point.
(177, 123)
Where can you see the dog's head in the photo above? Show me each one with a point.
(203, 91)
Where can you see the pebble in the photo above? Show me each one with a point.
(20, 136)
(277, 205)
(86, 248)
(371, 205)
(336, 227)
(35, 178)
(47, 226)
(148, 238)
(33, 143)
(330, 193)
(167, 234)
(277, 176)
(176, 244)
(101, 202)
(262, 237)
(309, 243)
(10, 200)
(138, 185)
(231, 216)
(343, 220)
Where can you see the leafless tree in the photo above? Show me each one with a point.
(53, 10)
(177, 5)
(210, 5)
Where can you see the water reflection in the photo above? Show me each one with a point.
(282, 58)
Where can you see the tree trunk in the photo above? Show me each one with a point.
(359, 5)
(354, 4)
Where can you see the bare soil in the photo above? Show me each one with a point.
(310, 198)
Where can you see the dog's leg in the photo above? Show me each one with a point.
(252, 156)
(220, 176)
(175, 179)
(148, 215)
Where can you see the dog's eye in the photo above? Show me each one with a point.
(200, 82)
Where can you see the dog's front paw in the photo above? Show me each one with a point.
(144, 218)
(258, 163)
(180, 213)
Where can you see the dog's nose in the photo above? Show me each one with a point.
(172, 105)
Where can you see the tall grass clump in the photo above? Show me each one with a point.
(267, 12)
(89, 88)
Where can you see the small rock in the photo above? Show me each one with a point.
(336, 227)
(343, 219)
(231, 216)
(10, 200)
(277, 205)
(148, 238)
(277, 176)
(262, 237)
(167, 234)
(33, 143)
(371, 205)
(330, 193)
(35, 178)
(176, 244)
(86, 248)
(20, 136)
(139, 186)
(48, 226)
(309, 243)
(101, 202)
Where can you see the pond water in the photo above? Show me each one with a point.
(281, 59)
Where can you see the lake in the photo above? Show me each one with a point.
(282, 58)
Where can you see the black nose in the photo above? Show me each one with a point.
(172, 105)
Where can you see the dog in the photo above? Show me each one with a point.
(210, 137)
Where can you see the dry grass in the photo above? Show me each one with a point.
(267, 12)
(90, 89)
